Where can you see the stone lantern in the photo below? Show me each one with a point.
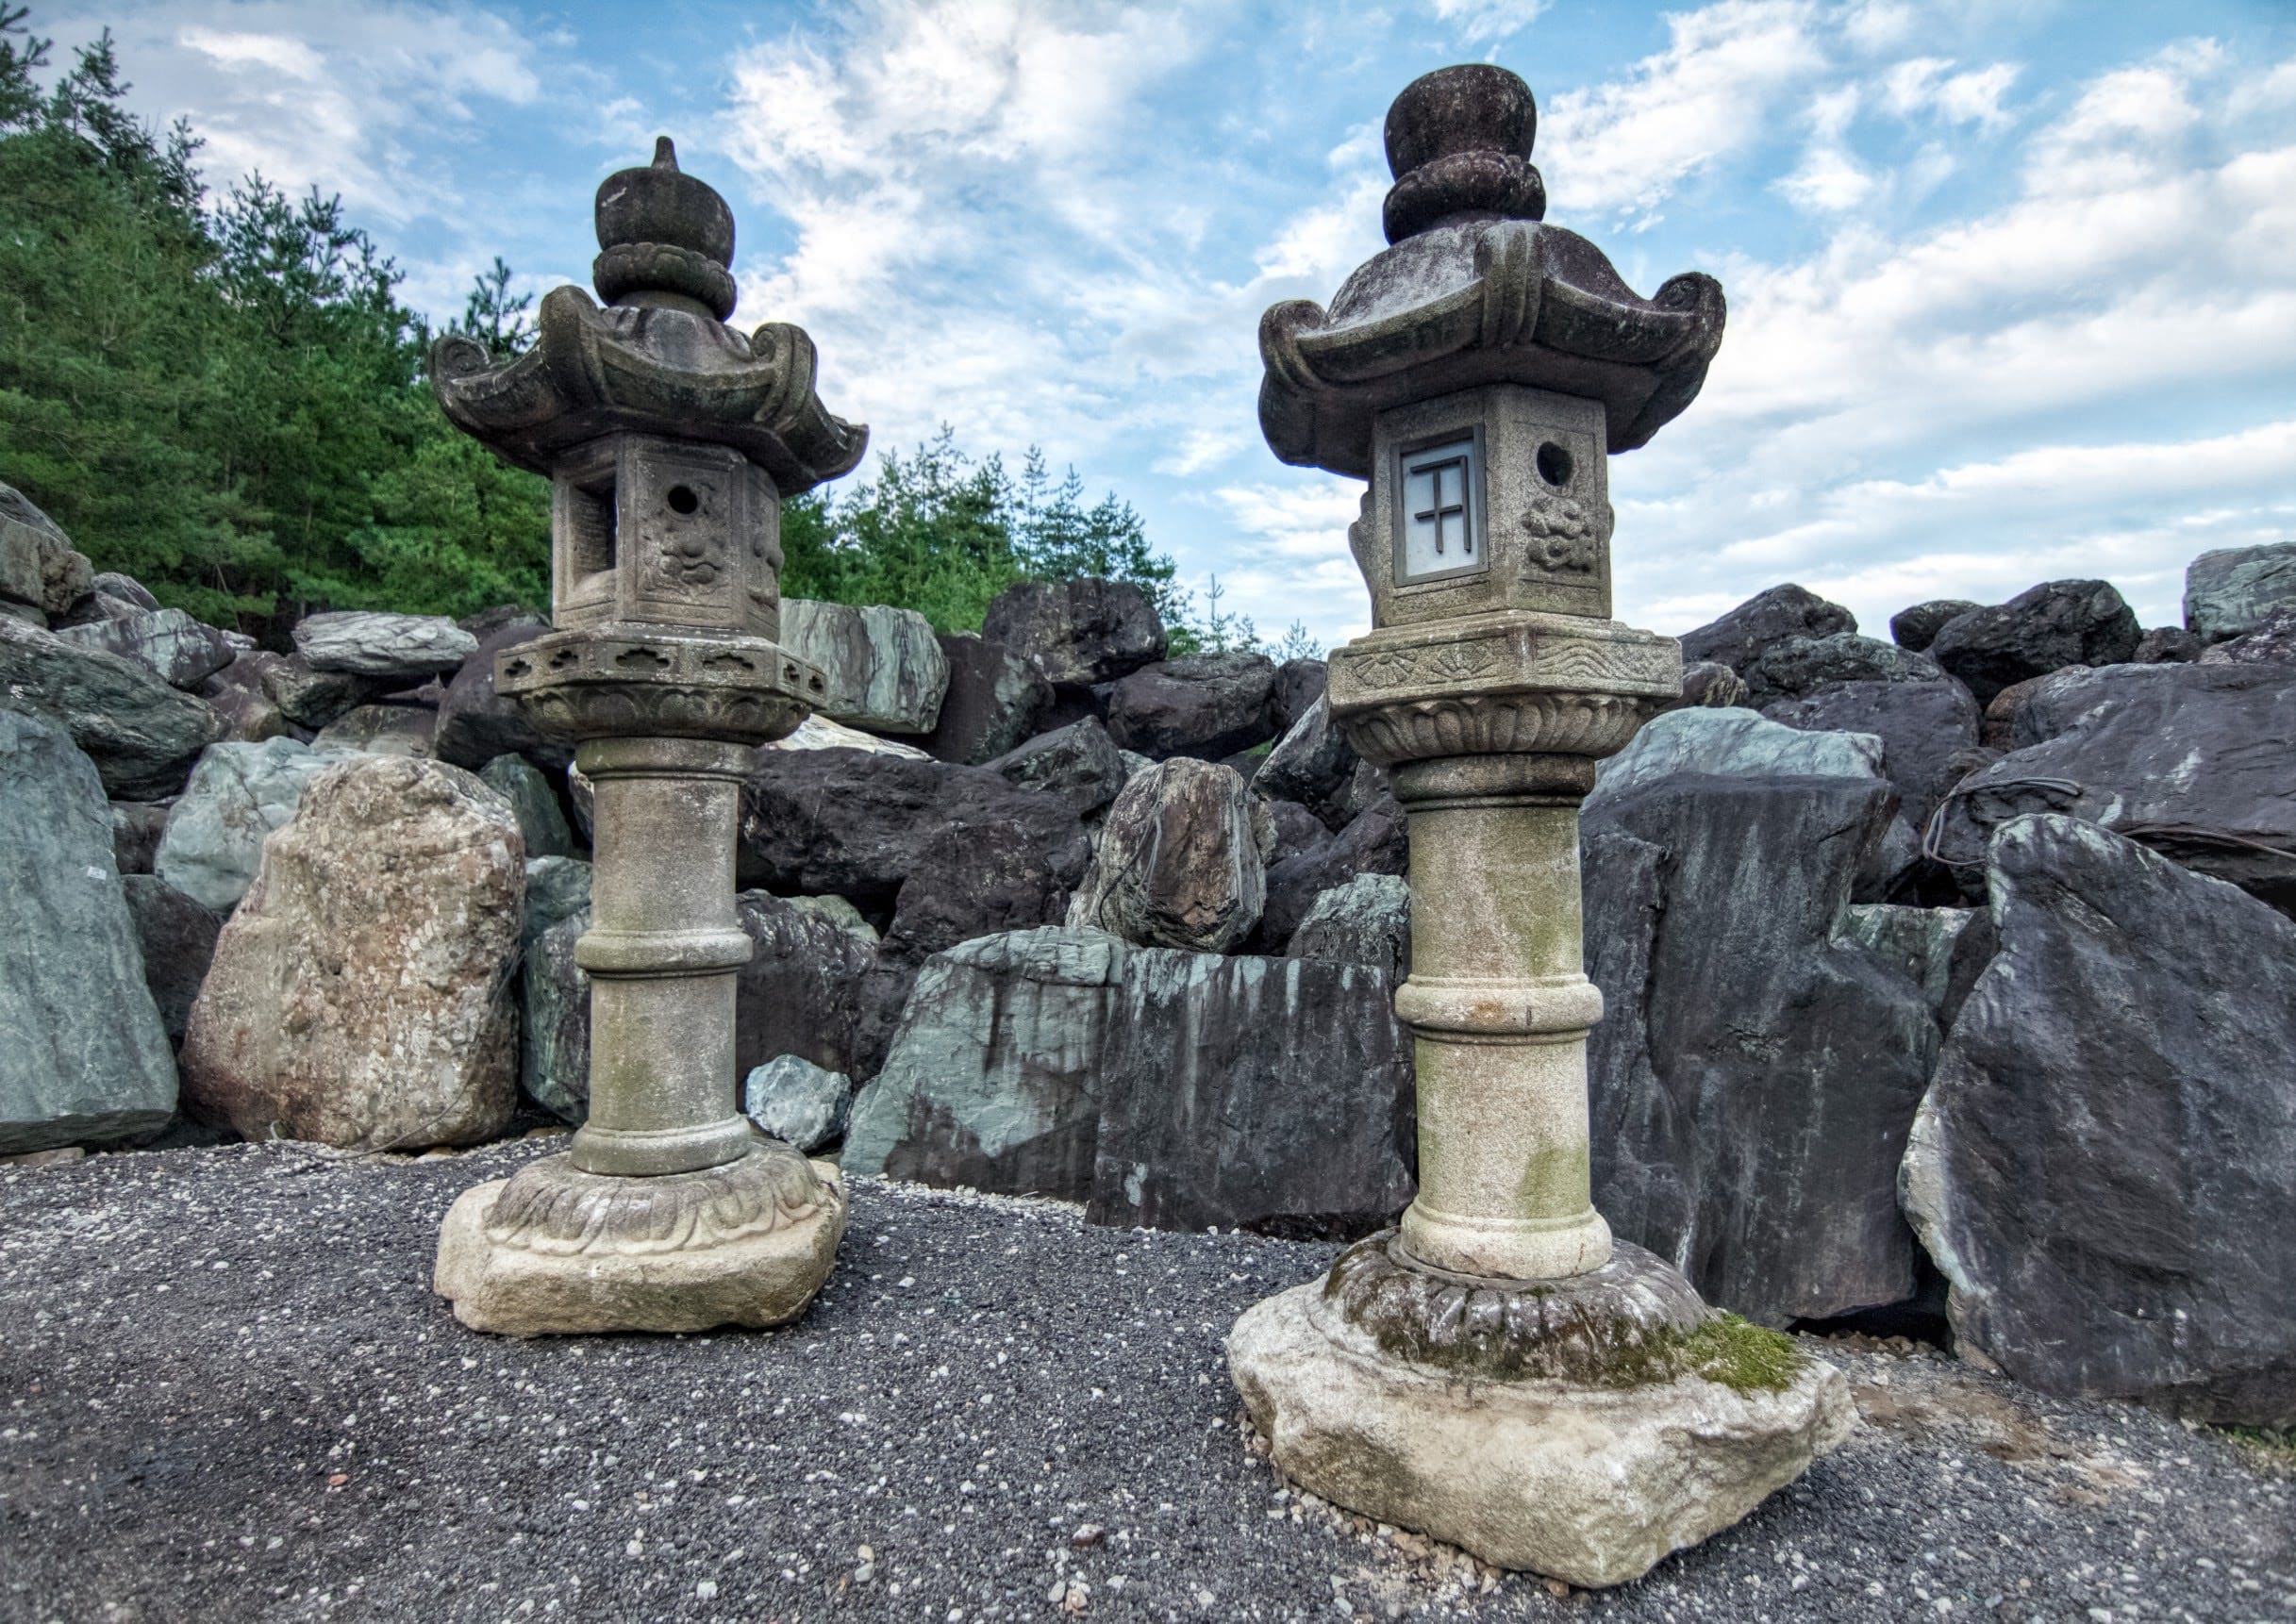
(669, 440)
(1498, 1370)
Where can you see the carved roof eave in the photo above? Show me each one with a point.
(1521, 320)
(590, 375)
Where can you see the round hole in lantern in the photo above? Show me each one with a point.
(683, 500)
(1554, 464)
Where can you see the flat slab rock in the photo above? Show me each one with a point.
(884, 666)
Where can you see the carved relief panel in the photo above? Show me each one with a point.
(665, 532)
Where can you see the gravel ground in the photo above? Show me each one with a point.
(230, 1395)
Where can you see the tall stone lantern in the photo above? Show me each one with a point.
(1498, 1370)
(669, 440)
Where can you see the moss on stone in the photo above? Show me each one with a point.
(1742, 1356)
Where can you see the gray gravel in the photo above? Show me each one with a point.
(229, 1395)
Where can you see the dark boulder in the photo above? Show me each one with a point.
(800, 994)
(1767, 617)
(2271, 642)
(239, 695)
(2056, 624)
(476, 725)
(1297, 829)
(310, 698)
(1314, 765)
(1377, 842)
(1915, 628)
(1298, 685)
(2229, 592)
(1793, 667)
(136, 829)
(1181, 861)
(994, 702)
(2165, 645)
(1926, 729)
(178, 936)
(141, 734)
(1079, 763)
(1709, 685)
(1077, 632)
(1205, 706)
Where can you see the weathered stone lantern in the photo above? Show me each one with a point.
(1498, 1371)
(669, 440)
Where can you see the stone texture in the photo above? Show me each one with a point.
(238, 793)
(476, 725)
(1299, 682)
(1205, 706)
(178, 937)
(141, 734)
(179, 650)
(1377, 842)
(2165, 645)
(1926, 730)
(311, 697)
(2273, 641)
(1709, 685)
(994, 702)
(798, 1102)
(884, 666)
(370, 643)
(2189, 759)
(1768, 617)
(557, 888)
(1917, 627)
(1735, 744)
(1077, 632)
(533, 802)
(1314, 765)
(1794, 667)
(1180, 861)
(1590, 1485)
(37, 565)
(240, 697)
(1078, 763)
(2051, 626)
(86, 1058)
(361, 995)
(554, 1020)
(1368, 921)
(382, 730)
(2101, 1169)
(136, 828)
(2230, 591)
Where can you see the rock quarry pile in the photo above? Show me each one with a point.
(1950, 980)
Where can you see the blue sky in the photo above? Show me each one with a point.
(2012, 286)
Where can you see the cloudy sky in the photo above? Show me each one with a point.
(2012, 286)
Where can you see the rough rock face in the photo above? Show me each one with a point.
(820, 733)
(2272, 642)
(1314, 765)
(955, 850)
(1180, 861)
(1077, 632)
(884, 666)
(1298, 685)
(553, 1020)
(2229, 592)
(360, 996)
(797, 1102)
(1368, 921)
(996, 700)
(1927, 730)
(2055, 624)
(1205, 706)
(238, 793)
(1754, 1074)
(557, 889)
(1767, 617)
(382, 730)
(86, 1058)
(2165, 645)
(541, 823)
(367, 642)
(1709, 685)
(1377, 842)
(136, 828)
(1079, 763)
(1794, 667)
(38, 566)
(2101, 1169)
(1917, 627)
(141, 734)
(179, 650)
(311, 697)
(476, 725)
(178, 936)
(2192, 760)
(1160, 1087)
(240, 696)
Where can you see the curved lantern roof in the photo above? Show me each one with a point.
(658, 357)
(1476, 288)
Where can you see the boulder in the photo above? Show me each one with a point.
(1181, 861)
(1079, 763)
(86, 1060)
(1205, 706)
(177, 939)
(2053, 625)
(1709, 685)
(311, 697)
(557, 888)
(1927, 730)
(382, 730)
(141, 734)
(476, 725)
(801, 992)
(1077, 632)
(241, 697)
(2101, 1167)
(952, 852)
(838, 912)
(1298, 685)
(1917, 628)
(996, 700)
(533, 802)
(2273, 641)
(1941, 951)
(820, 733)
(1159, 1088)
(181, 650)
(1377, 842)
(797, 1102)
(1368, 921)
(1767, 617)
(1297, 829)
(2191, 760)
(554, 1020)
(2165, 645)
(136, 828)
(884, 667)
(37, 565)
(1793, 667)
(1314, 765)
(1756, 1071)
(366, 642)
(2229, 592)
(238, 793)
(360, 996)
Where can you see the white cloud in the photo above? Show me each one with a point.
(1482, 21)
(1928, 84)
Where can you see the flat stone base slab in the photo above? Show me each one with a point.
(555, 1250)
(1585, 1483)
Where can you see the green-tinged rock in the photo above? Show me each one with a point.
(540, 819)
(141, 734)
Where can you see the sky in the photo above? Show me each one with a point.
(2012, 287)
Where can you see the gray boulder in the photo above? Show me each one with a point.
(2165, 645)
(1181, 861)
(365, 642)
(1928, 731)
(1709, 685)
(1915, 628)
(996, 700)
(37, 565)
(86, 1060)
(884, 666)
(553, 1020)
(238, 793)
(557, 888)
(1079, 763)
(1732, 744)
(2101, 1167)
(177, 939)
(1768, 617)
(795, 1101)
(476, 725)
(1205, 705)
(2053, 625)
(1314, 765)
(1077, 632)
(1377, 841)
(2271, 642)
(1793, 667)
(2229, 592)
(1298, 684)
(141, 734)
(382, 730)
(241, 697)
(311, 697)
(136, 828)
(181, 650)
(1368, 921)
(533, 802)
